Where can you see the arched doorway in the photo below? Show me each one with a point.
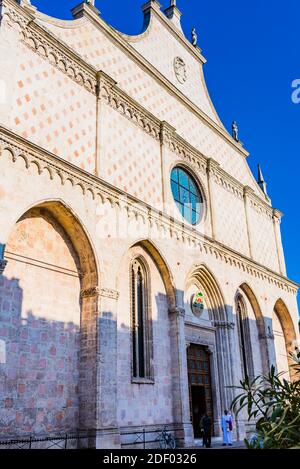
(284, 339)
(50, 263)
(208, 333)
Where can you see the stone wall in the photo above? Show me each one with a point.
(65, 305)
(51, 100)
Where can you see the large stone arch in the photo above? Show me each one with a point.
(260, 324)
(52, 272)
(289, 333)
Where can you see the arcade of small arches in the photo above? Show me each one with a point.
(62, 318)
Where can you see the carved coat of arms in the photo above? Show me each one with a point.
(180, 70)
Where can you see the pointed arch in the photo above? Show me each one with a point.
(260, 323)
(163, 268)
(201, 275)
(283, 314)
(247, 290)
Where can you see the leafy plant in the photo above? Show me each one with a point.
(274, 404)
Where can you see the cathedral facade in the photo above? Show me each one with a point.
(142, 269)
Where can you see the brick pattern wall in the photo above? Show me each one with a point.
(51, 110)
(264, 244)
(230, 220)
(96, 48)
(130, 158)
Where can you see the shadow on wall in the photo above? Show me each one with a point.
(146, 404)
(39, 369)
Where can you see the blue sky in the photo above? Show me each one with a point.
(253, 58)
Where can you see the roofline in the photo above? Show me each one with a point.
(89, 13)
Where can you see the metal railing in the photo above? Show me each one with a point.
(143, 439)
(60, 441)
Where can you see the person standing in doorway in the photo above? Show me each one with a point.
(206, 428)
(227, 427)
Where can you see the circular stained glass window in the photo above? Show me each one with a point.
(186, 195)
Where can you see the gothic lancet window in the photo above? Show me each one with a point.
(244, 338)
(140, 322)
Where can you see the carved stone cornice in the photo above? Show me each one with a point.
(98, 292)
(224, 324)
(167, 133)
(187, 152)
(104, 82)
(102, 192)
(212, 166)
(42, 42)
(125, 105)
(180, 312)
(90, 292)
(257, 204)
(223, 179)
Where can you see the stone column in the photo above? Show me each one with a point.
(88, 361)
(247, 192)
(180, 385)
(108, 435)
(166, 133)
(104, 85)
(212, 167)
(98, 368)
(277, 215)
(224, 339)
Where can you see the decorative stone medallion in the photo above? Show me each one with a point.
(197, 303)
(180, 70)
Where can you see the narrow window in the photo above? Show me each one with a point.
(140, 322)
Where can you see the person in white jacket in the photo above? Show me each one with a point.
(227, 427)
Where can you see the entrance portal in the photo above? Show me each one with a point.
(199, 385)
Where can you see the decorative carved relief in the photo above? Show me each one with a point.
(180, 69)
(90, 292)
(224, 324)
(108, 293)
(37, 39)
(122, 103)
